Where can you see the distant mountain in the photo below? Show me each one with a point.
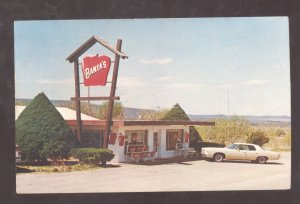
(133, 113)
(255, 120)
(247, 117)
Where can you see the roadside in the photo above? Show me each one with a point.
(183, 176)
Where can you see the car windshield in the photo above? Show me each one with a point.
(232, 146)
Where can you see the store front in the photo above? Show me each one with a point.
(137, 140)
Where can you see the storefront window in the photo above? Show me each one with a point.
(136, 137)
(91, 139)
(172, 136)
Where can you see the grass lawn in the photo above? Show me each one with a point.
(50, 168)
(53, 169)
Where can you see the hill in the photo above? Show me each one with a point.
(133, 114)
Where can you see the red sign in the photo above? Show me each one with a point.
(95, 70)
(187, 137)
(112, 138)
(121, 139)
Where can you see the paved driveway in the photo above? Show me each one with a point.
(187, 176)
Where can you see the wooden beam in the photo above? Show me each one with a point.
(112, 94)
(77, 103)
(82, 49)
(88, 44)
(95, 98)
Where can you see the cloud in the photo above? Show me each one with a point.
(186, 85)
(165, 78)
(55, 82)
(161, 61)
(225, 86)
(131, 82)
(256, 82)
(283, 66)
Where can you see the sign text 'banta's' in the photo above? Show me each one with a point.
(95, 70)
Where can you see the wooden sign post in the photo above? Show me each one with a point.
(95, 71)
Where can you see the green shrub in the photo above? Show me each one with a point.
(177, 113)
(258, 137)
(92, 155)
(41, 132)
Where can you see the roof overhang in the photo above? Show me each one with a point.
(89, 43)
(118, 123)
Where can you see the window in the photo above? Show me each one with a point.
(172, 136)
(232, 146)
(136, 137)
(251, 148)
(243, 147)
(91, 139)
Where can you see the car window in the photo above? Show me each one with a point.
(251, 148)
(243, 147)
(232, 146)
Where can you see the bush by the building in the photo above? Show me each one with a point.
(41, 132)
(258, 137)
(92, 155)
(177, 113)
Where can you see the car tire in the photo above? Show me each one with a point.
(261, 160)
(218, 157)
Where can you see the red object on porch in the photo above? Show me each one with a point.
(95, 70)
(186, 137)
(112, 138)
(121, 139)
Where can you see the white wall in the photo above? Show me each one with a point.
(162, 152)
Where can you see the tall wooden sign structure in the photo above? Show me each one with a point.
(73, 58)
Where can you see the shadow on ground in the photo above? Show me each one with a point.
(249, 162)
(23, 170)
(161, 161)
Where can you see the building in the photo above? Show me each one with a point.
(132, 139)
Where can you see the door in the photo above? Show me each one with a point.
(252, 153)
(241, 152)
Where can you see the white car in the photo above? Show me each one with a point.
(240, 151)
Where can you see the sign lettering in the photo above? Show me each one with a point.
(95, 70)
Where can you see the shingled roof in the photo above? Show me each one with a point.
(89, 43)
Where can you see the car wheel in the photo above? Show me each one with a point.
(261, 160)
(218, 157)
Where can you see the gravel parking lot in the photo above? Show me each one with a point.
(198, 175)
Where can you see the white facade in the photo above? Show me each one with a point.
(161, 131)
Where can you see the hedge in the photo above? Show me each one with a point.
(92, 155)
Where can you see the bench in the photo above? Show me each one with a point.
(139, 153)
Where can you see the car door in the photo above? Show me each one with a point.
(252, 153)
(241, 152)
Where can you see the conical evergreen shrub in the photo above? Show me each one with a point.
(177, 113)
(41, 131)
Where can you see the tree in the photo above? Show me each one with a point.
(41, 132)
(258, 137)
(118, 111)
(226, 131)
(280, 132)
(152, 114)
(177, 113)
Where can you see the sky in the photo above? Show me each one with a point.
(237, 65)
